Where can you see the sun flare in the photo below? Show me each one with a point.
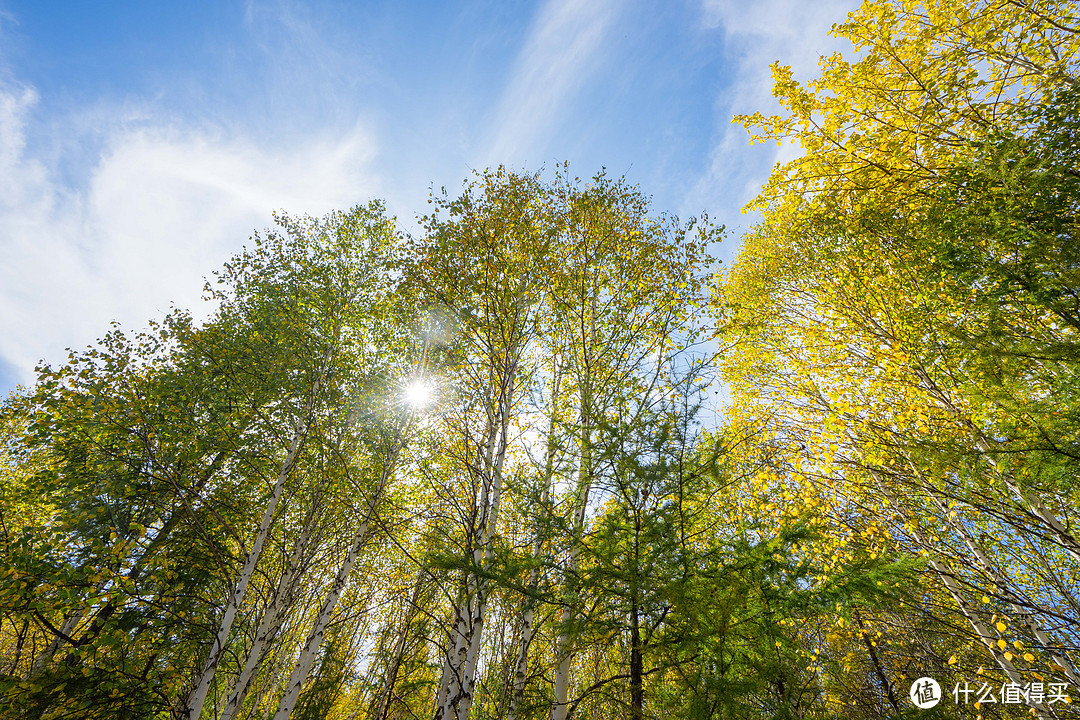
(419, 394)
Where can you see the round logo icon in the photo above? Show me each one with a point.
(925, 693)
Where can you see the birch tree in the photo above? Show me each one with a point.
(624, 301)
(906, 303)
(484, 263)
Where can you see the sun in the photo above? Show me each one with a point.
(418, 394)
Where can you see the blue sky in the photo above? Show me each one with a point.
(141, 143)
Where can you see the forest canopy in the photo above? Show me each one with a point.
(475, 473)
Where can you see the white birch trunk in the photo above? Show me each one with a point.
(1027, 617)
(271, 620)
(468, 673)
(461, 631)
(563, 649)
(399, 649)
(455, 658)
(521, 665)
(71, 622)
(948, 578)
(462, 681)
(236, 597)
(1032, 503)
(488, 534)
(1001, 583)
(528, 614)
(306, 661)
(444, 684)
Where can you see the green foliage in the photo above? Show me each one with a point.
(890, 493)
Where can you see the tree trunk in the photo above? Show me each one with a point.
(528, 614)
(306, 661)
(1027, 616)
(71, 621)
(399, 650)
(195, 702)
(1033, 504)
(462, 681)
(637, 688)
(236, 597)
(563, 649)
(272, 617)
(948, 579)
(457, 649)
(879, 669)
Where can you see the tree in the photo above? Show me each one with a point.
(906, 305)
(623, 303)
(933, 78)
(169, 455)
(484, 264)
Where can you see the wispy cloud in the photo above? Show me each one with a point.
(757, 34)
(561, 46)
(161, 206)
(760, 33)
(116, 202)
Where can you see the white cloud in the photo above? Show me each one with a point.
(554, 62)
(162, 207)
(793, 32)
